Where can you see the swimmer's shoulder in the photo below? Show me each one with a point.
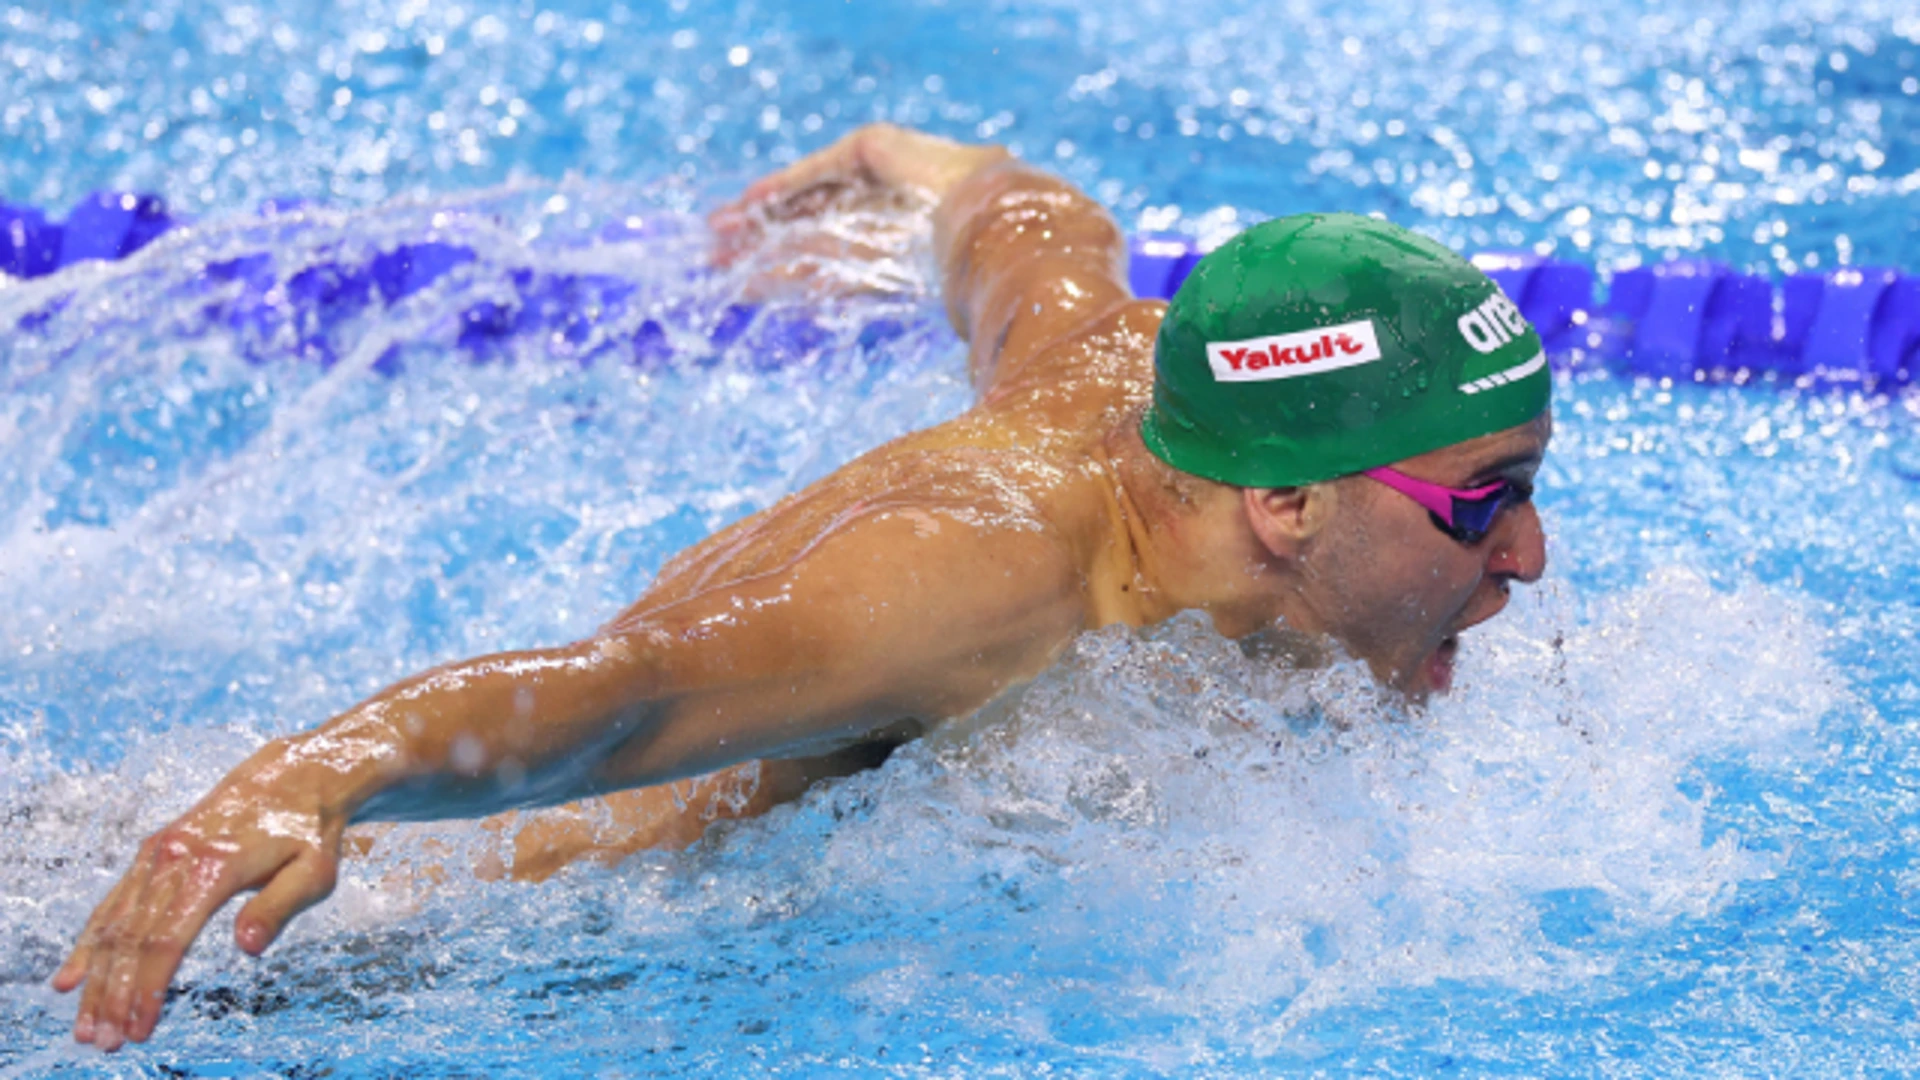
(1116, 343)
(1073, 379)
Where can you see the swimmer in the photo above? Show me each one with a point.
(1332, 430)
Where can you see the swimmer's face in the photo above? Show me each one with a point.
(1396, 590)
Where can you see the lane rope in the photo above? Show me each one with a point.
(1688, 318)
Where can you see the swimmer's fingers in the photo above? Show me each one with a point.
(87, 964)
(202, 883)
(305, 881)
(875, 156)
(799, 190)
(74, 971)
(135, 984)
(844, 162)
(104, 948)
(118, 940)
(139, 937)
(879, 162)
(203, 889)
(738, 230)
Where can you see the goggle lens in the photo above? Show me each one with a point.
(1473, 518)
(1467, 515)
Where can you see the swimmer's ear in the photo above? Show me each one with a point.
(1286, 519)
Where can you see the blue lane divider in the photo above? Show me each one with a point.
(1681, 318)
(1557, 297)
(1156, 265)
(29, 246)
(104, 225)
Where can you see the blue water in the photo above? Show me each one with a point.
(1665, 827)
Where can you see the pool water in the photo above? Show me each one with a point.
(1665, 826)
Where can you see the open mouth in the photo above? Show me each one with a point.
(1440, 665)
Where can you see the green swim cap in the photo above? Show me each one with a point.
(1318, 345)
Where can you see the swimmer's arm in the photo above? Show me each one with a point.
(898, 614)
(1026, 258)
(870, 166)
(901, 614)
(436, 745)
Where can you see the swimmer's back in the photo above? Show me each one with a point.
(1018, 459)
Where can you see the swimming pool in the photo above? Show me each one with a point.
(1666, 826)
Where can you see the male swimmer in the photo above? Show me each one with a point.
(1333, 427)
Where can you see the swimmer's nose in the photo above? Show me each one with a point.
(1520, 546)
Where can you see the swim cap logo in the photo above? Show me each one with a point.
(1501, 378)
(1283, 356)
(1493, 324)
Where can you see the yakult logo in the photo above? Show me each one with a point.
(1493, 324)
(1283, 356)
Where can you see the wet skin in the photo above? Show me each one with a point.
(915, 584)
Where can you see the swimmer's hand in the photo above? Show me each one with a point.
(872, 164)
(262, 828)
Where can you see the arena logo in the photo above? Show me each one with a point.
(1283, 356)
(1494, 323)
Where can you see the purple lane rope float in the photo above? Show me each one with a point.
(1679, 319)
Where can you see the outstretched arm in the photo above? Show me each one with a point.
(890, 613)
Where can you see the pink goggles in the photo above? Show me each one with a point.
(1467, 514)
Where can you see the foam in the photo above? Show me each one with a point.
(1223, 847)
(1165, 854)
(1717, 841)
